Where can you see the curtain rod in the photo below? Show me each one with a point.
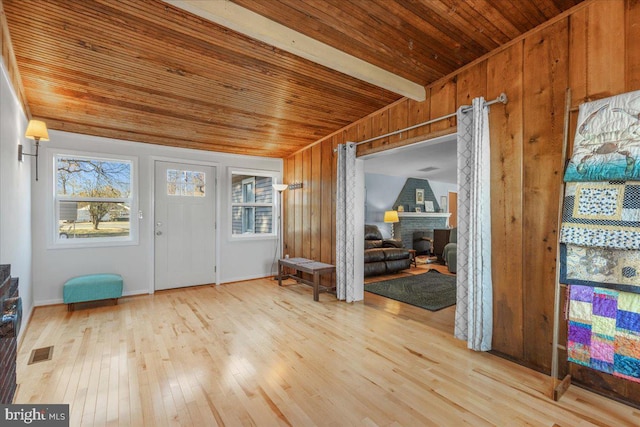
(501, 98)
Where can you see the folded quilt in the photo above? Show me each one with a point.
(604, 331)
(602, 214)
(607, 140)
(600, 267)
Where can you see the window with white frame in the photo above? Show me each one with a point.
(252, 204)
(94, 200)
(186, 183)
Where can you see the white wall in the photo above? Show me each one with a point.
(238, 260)
(381, 191)
(15, 193)
(442, 189)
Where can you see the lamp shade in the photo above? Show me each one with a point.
(37, 130)
(391, 216)
(280, 187)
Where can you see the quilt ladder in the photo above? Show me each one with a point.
(559, 387)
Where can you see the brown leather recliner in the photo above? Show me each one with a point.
(383, 256)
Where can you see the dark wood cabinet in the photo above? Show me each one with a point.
(440, 239)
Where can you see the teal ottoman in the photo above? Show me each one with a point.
(92, 287)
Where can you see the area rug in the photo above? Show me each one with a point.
(431, 290)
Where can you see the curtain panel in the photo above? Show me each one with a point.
(345, 223)
(474, 306)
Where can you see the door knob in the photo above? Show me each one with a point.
(158, 233)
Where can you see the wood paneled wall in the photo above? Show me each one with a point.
(9, 59)
(593, 50)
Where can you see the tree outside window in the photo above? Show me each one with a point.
(93, 198)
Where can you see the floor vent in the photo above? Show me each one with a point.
(41, 354)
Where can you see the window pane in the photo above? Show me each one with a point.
(263, 222)
(237, 188)
(248, 220)
(93, 220)
(94, 197)
(185, 183)
(252, 220)
(248, 193)
(236, 220)
(83, 177)
(264, 189)
(251, 189)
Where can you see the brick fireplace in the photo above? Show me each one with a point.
(11, 317)
(414, 221)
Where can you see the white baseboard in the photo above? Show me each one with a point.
(60, 301)
(26, 319)
(244, 278)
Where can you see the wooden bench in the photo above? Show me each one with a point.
(92, 287)
(304, 265)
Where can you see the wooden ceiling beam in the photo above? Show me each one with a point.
(246, 22)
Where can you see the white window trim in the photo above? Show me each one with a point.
(274, 229)
(54, 241)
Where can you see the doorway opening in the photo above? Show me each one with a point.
(419, 182)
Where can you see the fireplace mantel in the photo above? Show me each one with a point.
(424, 214)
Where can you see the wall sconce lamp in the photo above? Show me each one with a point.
(391, 217)
(36, 130)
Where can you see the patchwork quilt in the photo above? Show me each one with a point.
(602, 214)
(607, 140)
(601, 267)
(604, 331)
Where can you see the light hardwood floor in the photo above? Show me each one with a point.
(251, 353)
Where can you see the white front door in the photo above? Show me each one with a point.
(184, 225)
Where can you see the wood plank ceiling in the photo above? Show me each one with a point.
(144, 70)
